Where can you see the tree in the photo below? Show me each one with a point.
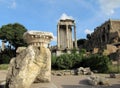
(13, 34)
(81, 43)
(88, 36)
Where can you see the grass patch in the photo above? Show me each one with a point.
(114, 68)
(3, 66)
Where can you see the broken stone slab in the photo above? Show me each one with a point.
(96, 80)
(84, 71)
(26, 66)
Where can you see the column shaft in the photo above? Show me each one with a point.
(58, 39)
(67, 36)
(75, 40)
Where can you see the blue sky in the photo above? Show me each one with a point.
(43, 15)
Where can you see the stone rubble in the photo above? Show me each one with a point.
(97, 80)
(84, 71)
(78, 71)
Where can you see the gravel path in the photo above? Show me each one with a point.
(81, 82)
(73, 81)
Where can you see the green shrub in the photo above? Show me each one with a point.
(53, 61)
(82, 51)
(70, 61)
(6, 55)
(63, 62)
(96, 62)
(67, 61)
(6, 59)
(76, 59)
(114, 68)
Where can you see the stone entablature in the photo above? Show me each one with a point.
(38, 38)
(67, 22)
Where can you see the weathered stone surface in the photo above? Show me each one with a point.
(38, 38)
(26, 66)
(84, 71)
(20, 49)
(44, 74)
(107, 33)
(110, 49)
(96, 80)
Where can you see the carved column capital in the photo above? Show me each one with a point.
(38, 38)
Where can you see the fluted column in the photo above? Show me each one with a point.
(71, 40)
(67, 36)
(75, 40)
(58, 39)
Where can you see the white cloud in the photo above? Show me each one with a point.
(9, 3)
(55, 38)
(87, 31)
(109, 6)
(64, 16)
(13, 4)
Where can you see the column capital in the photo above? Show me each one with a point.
(38, 38)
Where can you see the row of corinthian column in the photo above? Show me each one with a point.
(69, 40)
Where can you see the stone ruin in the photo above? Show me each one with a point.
(66, 33)
(97, 80)
(78, 71)
(105, 39)
(33, 64)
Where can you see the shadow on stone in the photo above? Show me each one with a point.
(76, 86)
(115, 86)
(85, 82)
(1, 86)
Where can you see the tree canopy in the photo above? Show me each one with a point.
(13, 34)
(88, 36)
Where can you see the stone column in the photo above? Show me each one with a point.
(3, 45)
(75, 40)
(67, 36)
(58, 37)
(71, 40)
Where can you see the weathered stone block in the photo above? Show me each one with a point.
(26, 66)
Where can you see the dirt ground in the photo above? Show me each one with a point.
(73, 81)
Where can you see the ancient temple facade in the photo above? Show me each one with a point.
(66, 36)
